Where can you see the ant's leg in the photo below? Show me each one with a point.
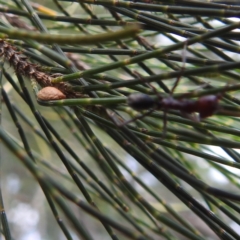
(205, 85)
(149, 84)
(182, 68)
(193, 117)
(164, 123)
(135, 118)
(174, 86)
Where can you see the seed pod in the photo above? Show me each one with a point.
(50, 93)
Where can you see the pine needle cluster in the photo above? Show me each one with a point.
(78, 156)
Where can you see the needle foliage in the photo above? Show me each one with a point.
(70, 166)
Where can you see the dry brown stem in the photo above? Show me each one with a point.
(23, 67)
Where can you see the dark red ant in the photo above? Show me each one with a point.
(205, 106)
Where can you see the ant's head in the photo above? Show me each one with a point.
(141, 101)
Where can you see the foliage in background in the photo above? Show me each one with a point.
(97, 179)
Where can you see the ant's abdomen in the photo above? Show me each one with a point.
(207, 105)
(140, 101)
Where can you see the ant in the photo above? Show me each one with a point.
(205, 106)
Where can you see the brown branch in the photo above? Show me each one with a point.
(22, 66)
